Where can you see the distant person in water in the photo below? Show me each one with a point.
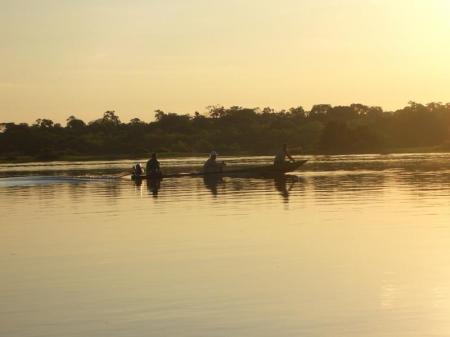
(280, 158)
(212, 165)
(152, 168)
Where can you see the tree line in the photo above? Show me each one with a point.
(325, 129)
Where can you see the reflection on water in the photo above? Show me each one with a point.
(346, 246)
(211, 183)
(153, 187)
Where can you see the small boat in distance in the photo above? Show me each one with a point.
(250, 171)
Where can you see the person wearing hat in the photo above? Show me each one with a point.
(211, 165)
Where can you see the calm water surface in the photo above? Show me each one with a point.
(346, 246)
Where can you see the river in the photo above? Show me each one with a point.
(355, 245)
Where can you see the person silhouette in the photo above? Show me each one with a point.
(280, 158)
(212, 165)
(153, 169)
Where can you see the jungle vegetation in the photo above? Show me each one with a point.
(325, 129)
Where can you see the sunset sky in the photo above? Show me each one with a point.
(83, 57)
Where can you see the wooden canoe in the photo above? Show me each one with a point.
(250, 171)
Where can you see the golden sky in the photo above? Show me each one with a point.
(83, 57)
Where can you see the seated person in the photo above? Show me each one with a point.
(211, 165)
(137, 170)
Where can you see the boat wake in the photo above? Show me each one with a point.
(51, 180)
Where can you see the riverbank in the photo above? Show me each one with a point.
(72, 158)
(16, 159)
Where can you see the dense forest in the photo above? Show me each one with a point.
(324, 129)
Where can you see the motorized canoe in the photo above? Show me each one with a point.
(251, 171)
